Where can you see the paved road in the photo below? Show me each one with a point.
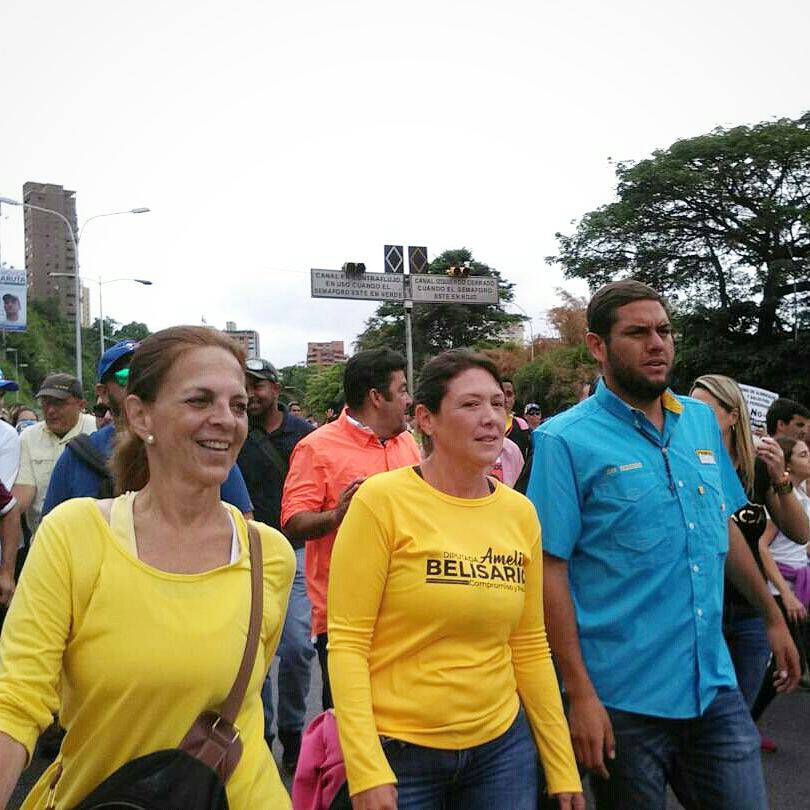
(786, 772)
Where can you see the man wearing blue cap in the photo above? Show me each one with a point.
(82, 469)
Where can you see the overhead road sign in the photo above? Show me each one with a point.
(417, 260)
(363, 287)
(394, 259)
(434, 289)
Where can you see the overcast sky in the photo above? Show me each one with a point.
(269, 137)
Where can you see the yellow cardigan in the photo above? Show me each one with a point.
(139, 652)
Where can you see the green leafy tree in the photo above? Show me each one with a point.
(134, 330)
(720, 224)
(48, 345)
(437, 327)
(555, 377)
(293, 381)
(324, 388)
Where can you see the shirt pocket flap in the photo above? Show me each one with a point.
(641, 540)
(626, 485)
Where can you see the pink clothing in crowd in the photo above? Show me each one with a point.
(320, 773)
(509, 465)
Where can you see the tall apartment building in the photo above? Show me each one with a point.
(248, 339)
(326, 354)
(48, 248)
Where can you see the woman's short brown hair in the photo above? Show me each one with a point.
(437, 374)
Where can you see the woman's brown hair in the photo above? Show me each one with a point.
(151, 364)
(438, 373)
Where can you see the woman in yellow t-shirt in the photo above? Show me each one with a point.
(131, 614)
(441, 674)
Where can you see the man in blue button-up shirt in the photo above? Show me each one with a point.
(634, 490)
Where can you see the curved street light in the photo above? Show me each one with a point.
(145, 281)
(75, 238)
(529, 321)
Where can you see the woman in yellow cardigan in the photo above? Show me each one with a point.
(441, 674)
(131, 614)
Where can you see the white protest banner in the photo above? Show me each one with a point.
(13, 290)
(758, 401)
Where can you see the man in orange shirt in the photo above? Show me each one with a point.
(328, 466)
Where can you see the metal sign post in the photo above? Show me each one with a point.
(409, 345)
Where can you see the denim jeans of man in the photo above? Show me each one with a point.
(712, 762)
(750, 652)
(503, 773)
(295, 652)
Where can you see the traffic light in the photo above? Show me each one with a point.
(354, 268)
(459, 271)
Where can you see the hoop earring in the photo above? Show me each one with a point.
(150, 439)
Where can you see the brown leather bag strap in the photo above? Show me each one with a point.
(230, 708)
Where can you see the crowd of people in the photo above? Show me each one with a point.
(500, 604)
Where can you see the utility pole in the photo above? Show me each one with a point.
(409, 344)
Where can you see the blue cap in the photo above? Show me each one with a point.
(113, 355)
(7, 385)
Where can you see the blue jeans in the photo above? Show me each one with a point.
(501, 773)
(295, 651)
(712, 762)
(748, 644)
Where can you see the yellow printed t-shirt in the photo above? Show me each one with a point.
(436, 626)
(140, 652)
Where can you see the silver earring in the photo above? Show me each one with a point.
(150, 439)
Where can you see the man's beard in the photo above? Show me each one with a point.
(257, 418)
(634, 383)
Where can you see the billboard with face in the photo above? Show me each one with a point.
(13, 289)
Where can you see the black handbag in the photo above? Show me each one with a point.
(193, 775)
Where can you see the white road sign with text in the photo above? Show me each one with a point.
(433, 289)
(364, 286)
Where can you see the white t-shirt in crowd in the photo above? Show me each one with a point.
(784, 550)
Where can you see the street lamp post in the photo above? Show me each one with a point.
(16, 370)
(529, 320)
(145, 281)
(75, 238)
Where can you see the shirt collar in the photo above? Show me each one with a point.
(618, 407)
(286, 416)
(74, 431)
(361, 432)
